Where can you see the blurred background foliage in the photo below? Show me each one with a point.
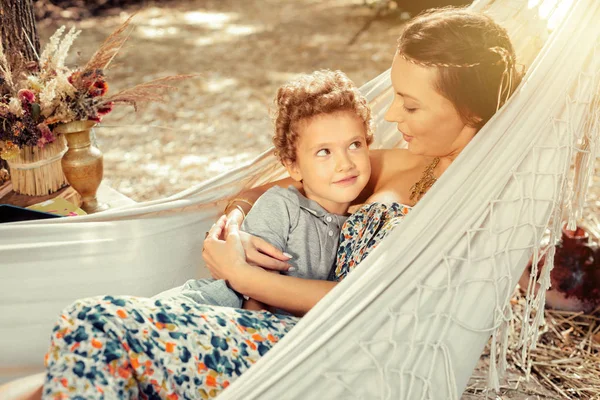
(243, 50)
(79, 9)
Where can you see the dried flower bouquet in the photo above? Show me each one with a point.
(35, 97)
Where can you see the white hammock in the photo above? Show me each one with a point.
(413, 319)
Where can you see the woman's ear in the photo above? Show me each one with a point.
(293, 170)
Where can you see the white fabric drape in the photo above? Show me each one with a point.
(412, 320)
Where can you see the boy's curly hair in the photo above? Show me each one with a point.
(322, 92)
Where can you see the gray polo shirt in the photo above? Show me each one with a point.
(299, 227)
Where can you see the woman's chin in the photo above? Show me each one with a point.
(419, 150)
(415, 149)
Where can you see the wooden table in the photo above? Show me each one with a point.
(106, 195)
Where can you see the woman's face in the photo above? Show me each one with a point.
(428, 121)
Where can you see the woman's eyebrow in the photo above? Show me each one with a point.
(408, 96)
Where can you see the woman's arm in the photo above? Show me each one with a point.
(226, 260)
(295, 295)
(250, 196)
(380, 171)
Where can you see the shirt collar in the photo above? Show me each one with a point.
(309, 205)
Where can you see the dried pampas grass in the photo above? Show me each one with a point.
(153, 91)
(109, 48)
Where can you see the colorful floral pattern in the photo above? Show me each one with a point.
(138, 348)
(363, 231)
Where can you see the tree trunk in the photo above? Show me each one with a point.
(18, 30)
(19, 34)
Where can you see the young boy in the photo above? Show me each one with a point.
(322, 134)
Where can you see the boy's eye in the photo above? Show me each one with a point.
(323, 153)
(355, 145)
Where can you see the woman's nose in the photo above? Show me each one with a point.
(394, 112)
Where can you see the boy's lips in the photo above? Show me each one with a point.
(347, 181)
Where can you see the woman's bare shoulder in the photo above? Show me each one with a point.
(394, 159)
(393, 171)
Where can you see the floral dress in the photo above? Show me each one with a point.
(363, 231)
(125, 347)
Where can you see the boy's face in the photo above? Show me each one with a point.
(332, 159)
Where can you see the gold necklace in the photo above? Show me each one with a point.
(427, 180)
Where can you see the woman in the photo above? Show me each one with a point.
(452, 71)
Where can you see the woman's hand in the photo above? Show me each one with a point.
(258, 251)
(355, 208)
(223, 257)
(236, 217)
(263, 254)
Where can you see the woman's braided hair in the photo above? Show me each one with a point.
(473, 54)
(322, 92)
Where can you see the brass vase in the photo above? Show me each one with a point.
(82, 164)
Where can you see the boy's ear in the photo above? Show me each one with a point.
(293, 170)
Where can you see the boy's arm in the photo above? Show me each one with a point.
(271, 218)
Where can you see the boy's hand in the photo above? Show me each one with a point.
(254, 305)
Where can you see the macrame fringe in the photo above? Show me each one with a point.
(574, 190)
(585, 164)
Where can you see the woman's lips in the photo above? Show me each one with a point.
(407, 138)
(347, 181)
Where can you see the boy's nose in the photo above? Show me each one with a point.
(344, 163)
